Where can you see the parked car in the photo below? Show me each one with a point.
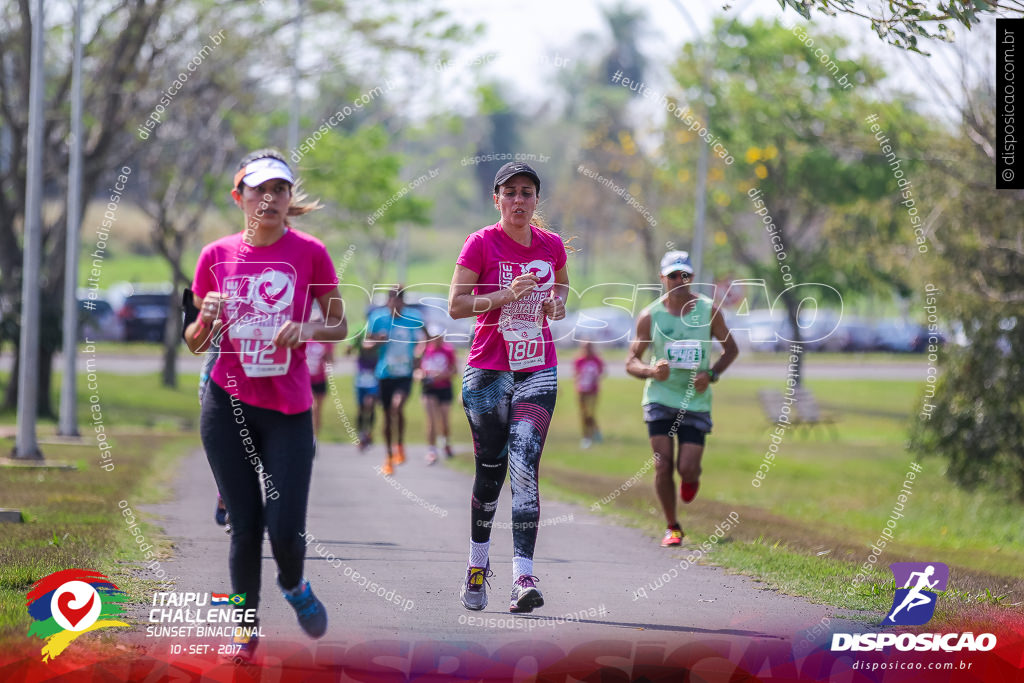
(760, 329)
(97, 320)
(605, 325)
(144, 313)
(858, 334)
(822, 330)
(902, 336)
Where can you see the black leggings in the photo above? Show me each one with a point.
(256, 453)
(509, 413)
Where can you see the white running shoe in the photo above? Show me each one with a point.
(526, 595)
(474, 589)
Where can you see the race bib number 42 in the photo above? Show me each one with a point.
(684, 354)
(263, 359)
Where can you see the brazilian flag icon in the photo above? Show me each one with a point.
(237, 599)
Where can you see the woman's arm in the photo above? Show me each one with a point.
(207, 326)
(554, 306)
(334, 328)
(292, 334)
(462, 303)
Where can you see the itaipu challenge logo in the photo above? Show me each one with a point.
(68, 603)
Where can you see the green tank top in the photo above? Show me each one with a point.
(685, 342)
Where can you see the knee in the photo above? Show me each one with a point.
(487, 488)
(662, 465)
(689, 470)
(246, 532)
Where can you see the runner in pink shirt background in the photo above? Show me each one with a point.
(589, 367)
(319, 357)
(511, 275)
(437, 365)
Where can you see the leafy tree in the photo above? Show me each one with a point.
(801, 145)
(365, 195)
(973, 416)
(118, 52)
(904, 23)
(599, 135)
(133, 55)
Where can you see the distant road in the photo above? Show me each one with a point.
(858, 367)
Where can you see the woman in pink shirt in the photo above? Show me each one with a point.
(589, 368)
(511, 275)
(254, 291)
(437, 365)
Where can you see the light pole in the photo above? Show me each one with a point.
(27, 447)
(68, 425)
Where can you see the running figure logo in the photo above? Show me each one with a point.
(914, 603)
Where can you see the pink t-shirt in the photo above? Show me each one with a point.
(516, 335)
(438, 364)
(266, 286)
(588, 374)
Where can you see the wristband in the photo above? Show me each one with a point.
(712, 375)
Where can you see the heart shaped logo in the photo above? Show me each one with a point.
(75, 606)
(72, 614)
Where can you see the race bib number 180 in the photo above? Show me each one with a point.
(525, 348)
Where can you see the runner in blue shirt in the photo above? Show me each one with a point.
(394, 331)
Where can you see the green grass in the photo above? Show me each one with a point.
(126, 267)
(72, 518)
(846, 488)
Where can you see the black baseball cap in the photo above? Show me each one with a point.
(515, 168)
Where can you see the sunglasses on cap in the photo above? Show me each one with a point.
(675, 275)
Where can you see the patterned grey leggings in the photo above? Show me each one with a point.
(509, 413)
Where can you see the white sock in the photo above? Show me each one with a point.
(295, 592)
(478, 553)
(521, 566)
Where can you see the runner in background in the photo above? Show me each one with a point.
(437, 365)
(511, 275)
(320, 360)
(255, 290)
(589, 367)
(678, 328)
(394, 331)
(366, 386)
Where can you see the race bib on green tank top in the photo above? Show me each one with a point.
(520, 321)
(256, 307)
(685, 354)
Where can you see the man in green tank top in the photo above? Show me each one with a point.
(678, 328)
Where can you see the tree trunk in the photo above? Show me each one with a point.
(44, 404)
(11, 390)
(792, 305)
(44, 407)
(172, 335)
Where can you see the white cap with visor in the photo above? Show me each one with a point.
(260, 171)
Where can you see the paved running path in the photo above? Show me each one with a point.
(409, 536)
